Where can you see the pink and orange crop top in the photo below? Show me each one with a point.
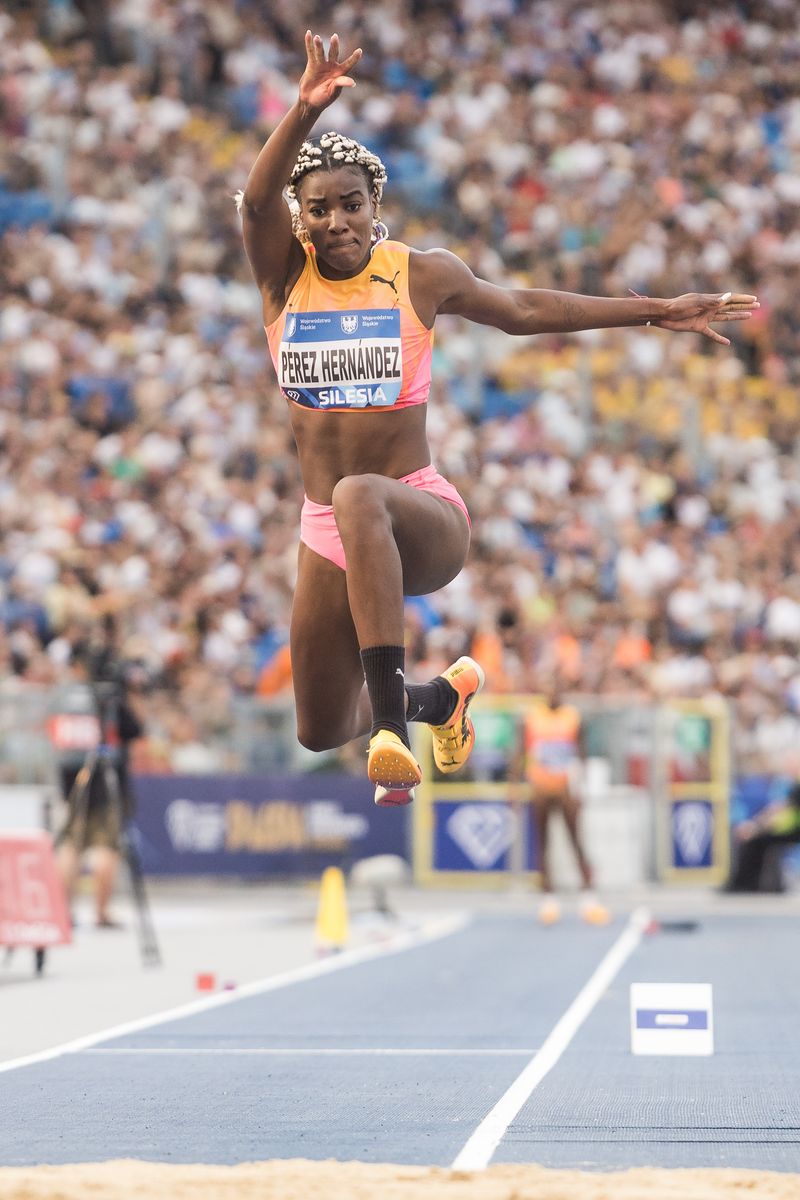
(344, 344)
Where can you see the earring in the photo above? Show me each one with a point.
(379, 232)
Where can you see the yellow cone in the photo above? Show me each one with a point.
(331, 929)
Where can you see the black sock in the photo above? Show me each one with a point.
(432, 702)
(384, 668)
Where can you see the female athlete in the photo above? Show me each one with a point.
(349, 317)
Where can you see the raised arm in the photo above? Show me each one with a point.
(445, 284)
(271, 246)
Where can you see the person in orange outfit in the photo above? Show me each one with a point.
(552, 751)
(276, 676)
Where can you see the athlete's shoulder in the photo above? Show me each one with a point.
(438, 263)
(436, 254)
(390, 251)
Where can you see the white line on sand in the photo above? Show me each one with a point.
(478, 1151)
(289, 1052)
(431, 931)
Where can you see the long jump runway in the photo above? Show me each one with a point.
(496, 1041)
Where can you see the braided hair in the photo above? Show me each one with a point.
(329, 153)
(332, 151)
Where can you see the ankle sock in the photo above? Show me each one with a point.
(431, 702)
(384, 671)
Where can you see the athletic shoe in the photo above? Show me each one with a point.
(393, 797)
(390, 763)
(453, 742)
(593, 912)
(549, 911)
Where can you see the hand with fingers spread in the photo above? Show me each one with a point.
(325, 76)
(695, 312)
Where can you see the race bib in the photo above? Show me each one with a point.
(342, 359)
(555, 755)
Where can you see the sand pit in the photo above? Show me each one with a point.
(296, 1179)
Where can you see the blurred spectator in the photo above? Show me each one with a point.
(759, 845)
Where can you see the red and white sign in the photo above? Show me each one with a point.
(74, 731)
(33, 905)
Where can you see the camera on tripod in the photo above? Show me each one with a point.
(110, 678)
(92, 734)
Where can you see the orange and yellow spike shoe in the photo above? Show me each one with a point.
(453, 742)
(393, 797)
(390, 763)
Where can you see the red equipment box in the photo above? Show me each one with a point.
(33, 906)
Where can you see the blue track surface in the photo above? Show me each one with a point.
(398, 1059)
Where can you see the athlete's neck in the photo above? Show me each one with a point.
(329, 272)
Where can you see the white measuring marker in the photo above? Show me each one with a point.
(672, 1018)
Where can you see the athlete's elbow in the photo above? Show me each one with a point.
(253, 204)
(523, 324)
(246, 203)
(523, 319)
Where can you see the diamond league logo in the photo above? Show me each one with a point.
(692, 827)
(483, 832)
(349, 324)
(198, 827)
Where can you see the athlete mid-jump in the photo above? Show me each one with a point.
(349, 316)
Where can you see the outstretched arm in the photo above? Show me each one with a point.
(267, 226)
(452, 288)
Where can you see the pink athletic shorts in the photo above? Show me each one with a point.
(319, 531)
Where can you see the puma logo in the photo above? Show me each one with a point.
(389, 282)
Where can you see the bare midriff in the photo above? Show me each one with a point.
(332, 445)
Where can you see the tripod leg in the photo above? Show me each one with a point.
(151, 955)
(70, 841)
(78, 804)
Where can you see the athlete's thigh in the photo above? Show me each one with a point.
(570, 805)
(326, 664)
(432, 535)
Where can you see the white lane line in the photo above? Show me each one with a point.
(431, 931)
(478, 1151)
(308, 1051)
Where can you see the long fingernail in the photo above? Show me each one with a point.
(726, 298)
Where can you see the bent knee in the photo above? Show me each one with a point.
(315, 739)
(319, 737)
(357, 494)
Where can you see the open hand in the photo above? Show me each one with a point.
(324, 78)
(694, 312)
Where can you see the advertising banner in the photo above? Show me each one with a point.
(260, 826)
(693, 826)
(479, 835)
(692, 833)
(33, 907)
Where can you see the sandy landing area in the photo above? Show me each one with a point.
(299, 1180)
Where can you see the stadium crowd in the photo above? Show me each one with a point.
(635, 495)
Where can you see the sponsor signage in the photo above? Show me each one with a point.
(260, 825)
(672, 1018)
(692, 834)
(693, 792)
(33, 907)
(479, 836)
